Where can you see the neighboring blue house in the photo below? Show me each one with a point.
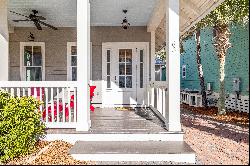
(237, 61)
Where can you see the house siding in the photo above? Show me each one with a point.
(237, 61)
(101, 34)
(55, 51)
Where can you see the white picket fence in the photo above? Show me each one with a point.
(59, 107)
(232, 102)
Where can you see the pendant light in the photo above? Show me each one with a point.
(125, 23)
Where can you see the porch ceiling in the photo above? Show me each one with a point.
(109, 12)
(59, 13)
(62, 13)
(191, 11)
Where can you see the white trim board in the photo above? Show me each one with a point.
(189, 158)
(72, 138)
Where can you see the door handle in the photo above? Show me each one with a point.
(115, 78)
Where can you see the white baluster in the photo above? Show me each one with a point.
(157, 99)
(46, 104)
(35, 92)
(12, 92)
(160, 100)
(164, 102)
(75, 104)
(63, 104)
(52, 104)
(68, 96)
(152, 96)
(18, 91)
(24, 94)
(57, 101)
(29, 92)
(41, 98)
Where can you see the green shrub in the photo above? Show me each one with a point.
(20, 125)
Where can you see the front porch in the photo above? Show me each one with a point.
(58, 67)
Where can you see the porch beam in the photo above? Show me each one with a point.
(83, 44)
(191, 6)
(157, 16)
(4, 41)
(172, 109)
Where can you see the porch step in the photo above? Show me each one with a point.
(177, 151)
(74, 137)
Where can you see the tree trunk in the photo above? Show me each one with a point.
(222, 44)
(200, 69)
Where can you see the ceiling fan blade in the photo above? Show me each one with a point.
(19, 14)
(50, 26)
(41, 18)
(38, 26)
(20, 20)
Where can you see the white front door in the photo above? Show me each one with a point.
(124, 71)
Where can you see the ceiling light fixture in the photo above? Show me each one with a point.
(125, 23)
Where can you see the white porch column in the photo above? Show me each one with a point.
(152, 56)
(4, 41)
(152, 60)
(172, 113)
(83, 49)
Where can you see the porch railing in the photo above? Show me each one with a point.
(59, 109)
(157, 96)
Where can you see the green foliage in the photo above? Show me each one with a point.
(162, 54)
(229, 12)
(20, 125)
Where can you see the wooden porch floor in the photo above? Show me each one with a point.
(113, 121)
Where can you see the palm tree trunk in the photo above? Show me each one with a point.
(222, 44)
(200, 69)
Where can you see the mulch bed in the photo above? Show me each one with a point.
(56, 154)
(22, 160)
(234, 117)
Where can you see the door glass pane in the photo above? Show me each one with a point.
(129, 55)
(108, 55)
(141, 75)
(121, 81)
(141, 55)
(37, 56)
(108, 82)
(122, 55)
(73, 50)
(108, 68)
(129, 81)
(28, 56)
(34, 74)
(122, 69)
(74, 73)
(73, 60)
(128, 69)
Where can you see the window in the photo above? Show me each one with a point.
(32, 61)
(184, 71)
(72, 61)
(125, 68)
